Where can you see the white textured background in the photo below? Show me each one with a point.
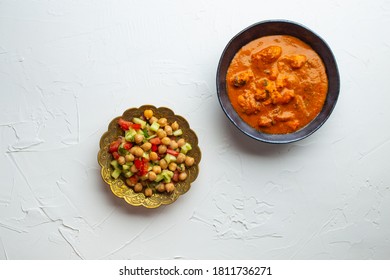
(68, 67)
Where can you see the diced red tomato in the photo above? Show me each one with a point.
(114, 146)
(133, 180)
(136, 126)
(175, 176)
(154, 148)
(115, 155)
(142, 166)
(138, 163)
(172, 152)
(155, 141)
(127, 145)
(125, 125)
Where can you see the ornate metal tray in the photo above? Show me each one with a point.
(119, 187)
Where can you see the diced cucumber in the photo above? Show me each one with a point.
(115, 164)
(170, 158)
(155, 126)
(139, 121)
(128, 174)
(129, 135)
(125, 167)
(151, 136)
(167, 175)
(159, 177)
(116, 173)
(178, 132)
(185, 148)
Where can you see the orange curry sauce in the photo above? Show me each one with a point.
(277, 84)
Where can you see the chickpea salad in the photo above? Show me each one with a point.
(151, 155)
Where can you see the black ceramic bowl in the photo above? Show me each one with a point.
(279, 27)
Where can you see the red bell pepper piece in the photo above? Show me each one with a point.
(172, 152)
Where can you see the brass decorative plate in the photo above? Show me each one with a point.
(119, 187)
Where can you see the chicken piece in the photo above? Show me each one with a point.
(266, 84)
(286, 81)
(283, 97)
(284, 116)
(267, 55)
(248, 103)
(293, 124)
(274, 72)
(261, 95)
(265, 121)
(242, 78)
(288, 62)
(297, 60)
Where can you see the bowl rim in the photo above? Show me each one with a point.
(330, 66)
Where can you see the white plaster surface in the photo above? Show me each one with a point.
(68, 67)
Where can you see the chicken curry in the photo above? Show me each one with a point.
(277, 84)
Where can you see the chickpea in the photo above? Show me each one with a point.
(152, 176)
(132, 150)
(162, 149)
(181, 142)
(152, 120)
(129, 157)
(133, 169)
(189, 161)
(173, 145)
(168, 129)
(138, 187)
(148, 192)
(180, 158)
(183, 176)
(138, 138)
(121, 160)
(146, 146)
(156, 169)
(160, 187)
(166, 140)
(162, 122)
(175, 126)
(163, 164)
(148, 113)
(153, 156)
(138, 152)
(172, 166)
(169, 187)
(161, 133)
